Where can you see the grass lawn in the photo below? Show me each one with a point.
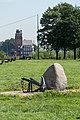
(12, 72)
(49, 105)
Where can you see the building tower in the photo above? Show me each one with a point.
(18, 41)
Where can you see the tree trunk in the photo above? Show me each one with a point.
(74, 53)
(79, 53)
(57, 54)
(64, 53)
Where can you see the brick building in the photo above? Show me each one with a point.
(23, 47)
(18, 41)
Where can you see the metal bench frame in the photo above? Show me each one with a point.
(31, 81)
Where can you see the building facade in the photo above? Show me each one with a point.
(23, 48)
(26, 48)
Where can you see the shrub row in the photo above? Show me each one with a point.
(52, 55)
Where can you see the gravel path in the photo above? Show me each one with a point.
(15, 93)
(25, 94)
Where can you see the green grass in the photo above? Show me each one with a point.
(49, 105)
(12, 72)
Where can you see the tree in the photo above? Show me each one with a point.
(75, 42)
(61, 27)
(8, 45)
(2, 55)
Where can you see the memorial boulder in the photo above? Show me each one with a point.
(55, 77)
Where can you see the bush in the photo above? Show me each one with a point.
(70, 54)
(44, 55)
(1, 55)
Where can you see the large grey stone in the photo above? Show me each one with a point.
(55, 77)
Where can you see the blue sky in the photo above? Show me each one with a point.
(14, 10)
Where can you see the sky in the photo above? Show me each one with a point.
(12, 11)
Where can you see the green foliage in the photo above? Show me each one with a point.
(43, 54)
(2, 55)
(69, 55)
(34, 55)
(61, 27)
(8, 45)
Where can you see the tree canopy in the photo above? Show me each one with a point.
(8, 45)
(60, 27)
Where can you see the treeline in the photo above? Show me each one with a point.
(44, 54)
(8, 46)
(60, 29)
(7, 50)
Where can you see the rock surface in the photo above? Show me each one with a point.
(55, 77)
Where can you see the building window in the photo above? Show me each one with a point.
(24, 49)
(21, 53)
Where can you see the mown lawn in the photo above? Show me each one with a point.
(12, 72)
(49, 105)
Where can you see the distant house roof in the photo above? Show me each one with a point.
(27, 42)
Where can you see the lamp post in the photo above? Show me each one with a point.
(38, 34)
